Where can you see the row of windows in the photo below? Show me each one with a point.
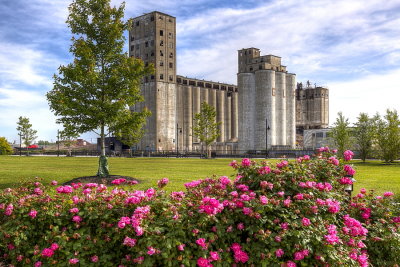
(152, 19)
(146, 44)
(170, 35)
(147, 78)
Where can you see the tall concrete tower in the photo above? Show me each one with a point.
(153, 39)
(266, 101)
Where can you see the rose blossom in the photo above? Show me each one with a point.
(279, 253)
(74, 261)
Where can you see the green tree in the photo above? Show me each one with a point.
(94, 92)
(364, 134)
(28, 135)
(5, 147)
(206, 126)
(128, 135)
(340, 133)
(388, 136)
(68, 139)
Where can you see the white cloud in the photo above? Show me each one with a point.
(23, 64)
(371, 94)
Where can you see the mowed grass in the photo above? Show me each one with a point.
(13, 169)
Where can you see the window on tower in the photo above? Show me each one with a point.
(132, 47)
(161, 63)
(161, 76)
(137, 23)
(171, 55)
(171, 78)
(161, 33)
(161, 53)
(171, 65)
(146, 44)
(161, 43)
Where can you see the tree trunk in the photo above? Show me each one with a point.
(103, 163)
(208, 152)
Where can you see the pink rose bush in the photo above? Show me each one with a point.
(292, 213)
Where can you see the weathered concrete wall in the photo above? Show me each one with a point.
(290, 110)
(246, 83)
(221, 96)
(280, 78)
(166, 115)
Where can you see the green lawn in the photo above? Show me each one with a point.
(370, 175)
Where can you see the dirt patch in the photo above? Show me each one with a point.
(100, 180)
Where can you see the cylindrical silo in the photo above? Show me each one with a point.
(290, 110)
(270, 120)
(187, 119)
(196, 106)
(280, 81)
(204, 95)
(221, 94)
(212, 98)
(246, 99)
(228, 116)
(235, 116)
(261, 95)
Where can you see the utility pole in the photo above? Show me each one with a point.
(58, 143)
(20, 143)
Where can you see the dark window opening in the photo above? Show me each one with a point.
(170, 35)
(171, 65)
(137, 23)
(251, 68)
(171, 78)
(161, 63)
(146, 44)
(161, 43)
(132, 38)
(152, 18)
(161, 53)
(132, 47)
(192, 82)
(161, 76)
(178, 80)
(161, 33)
(185, 82)
(171, 55)
(152, 77)
(208, 85)
(152, 54)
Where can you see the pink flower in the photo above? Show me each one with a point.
(284, 226)
(363, 190)
(282, 164)
(264, 170)
(345, 180)
(298, 256)
(66, 189)
(74, 210)
(233, 164)
(240, 226)
(287, 202)
(334, 161)
(388, 194)
(214, 256)
(123, 222)
(94, 258)
(263, 200)
(181, 247)
(348, 155)
(349, 170)
(246, 162)
(305, 221)
(38, 191)
(290, 264)
(118, 181)
(9, 209)
(202, 243)
(281, 193)
(74, 261)
(162, 183)
(241, 256)
(130, 242)
(32, 213)
(54, 246)
(54, 182)
(77, 219)
(203, 262)
(47, 252)
(151, 251)
(38, 264)
(279, 253)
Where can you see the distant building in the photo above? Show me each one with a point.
(261, 111)
(316, 138)
(312, 107)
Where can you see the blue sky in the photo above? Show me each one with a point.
(353, 47)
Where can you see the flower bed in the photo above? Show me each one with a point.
(286, 214)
